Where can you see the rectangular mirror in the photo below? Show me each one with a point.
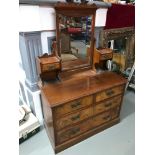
(75, 37)
(75, 33)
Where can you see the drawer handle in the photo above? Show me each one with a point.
(76, 104)
(51, 67)
(74, 131)
(109, 92)
(106, 117)
(75, 117)
(108, 104)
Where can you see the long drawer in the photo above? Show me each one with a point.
(74, 118)
(102, 118)
(71, 132)
(109, 93)
(108, 104)
(74, 105)
(50, 67)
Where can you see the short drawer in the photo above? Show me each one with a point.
(71, 106)
(106, 56)
(108, 104)
(102, 118)
(109, 93)
(73, 131)
(115, 112)
(74, 118)
(50, 67)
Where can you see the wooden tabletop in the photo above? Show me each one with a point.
(47, 60)
(66, 91)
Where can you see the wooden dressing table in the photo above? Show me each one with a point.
(83, 102)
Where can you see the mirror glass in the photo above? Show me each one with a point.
(75, 37)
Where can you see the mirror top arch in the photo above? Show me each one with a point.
(67, 8)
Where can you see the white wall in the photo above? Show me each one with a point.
(44, 42)
(101, 15)
(29, 19)
(47, 18)
(38, 18)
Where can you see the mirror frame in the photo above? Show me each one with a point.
(76, 10)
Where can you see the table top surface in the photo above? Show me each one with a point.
(66, 91)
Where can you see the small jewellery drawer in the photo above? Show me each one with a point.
(50, 67)
(102, 118)
(74, 118)
(115, 112)
(69, 107)
(109, 93)
(106, 105)
(74, 131)
(106, 56)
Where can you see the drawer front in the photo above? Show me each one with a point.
(109, 93)
(74, 118)
(50, 67)
(106, 105)
(102, 118)
(115, 112)
(106, 56)
(73, 131)
(71, 106)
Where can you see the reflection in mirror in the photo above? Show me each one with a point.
(75, 36)
(118, 45)
(119, 52)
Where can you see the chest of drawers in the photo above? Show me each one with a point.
(79, 108)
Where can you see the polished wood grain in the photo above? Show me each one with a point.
(73, 131)
(72, 106)
(102, 118)
(85, 135)
(76, 88)
(48, 66)
(101, 56)
(107, 104)
(74, 118)
(109, 93)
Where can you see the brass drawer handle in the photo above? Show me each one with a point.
(109, 92)
(106, 117)
(76, 104)
(75, 117)
(74, 131)
(108, 104)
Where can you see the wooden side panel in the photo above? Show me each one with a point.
(48, 120)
